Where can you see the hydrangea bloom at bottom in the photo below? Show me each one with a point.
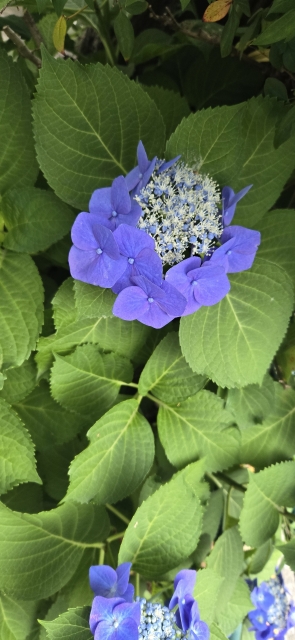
(274, 613)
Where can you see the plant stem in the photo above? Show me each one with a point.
(21, 47)
(104, 35)
(117, 513)
(34, 31)
(101, 555)
(116, 536)
(137, 584)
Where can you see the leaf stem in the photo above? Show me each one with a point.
(101, 555)
(137, 584)
(117, 513)
(104, 35)
(21, 47)
(116, 536)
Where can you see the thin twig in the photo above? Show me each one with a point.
(34, 31)
(21, 47)
(5, 7)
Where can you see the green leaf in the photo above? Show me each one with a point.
(276, 30)
(268, 491)
(72, 624)
(216, 633)
(89, 382)
(275, 89)
(236, 609)
(167, 375)
(208, 140)
(92, 140)
(120, 455)
(53, 465)
(16, 618)
(164, 530)
(40, 553)
(226, 560)
(17, 461)
(124, 33)
(18, 164)
(255, 313)
(35, 219)
(46, 420)
(93, 302)
(135, 7)
(277, 230)
(213, 514)
(64, 310)
(288, 550)
(264, 166)
(198, 427)
(129, 336)
(19, 382)
(260, 557)
(171, 105)
(280, 6)
(46, 26)
(252, 404)
(21, 307)
(273, 439)
(26, 497)
(59, 33)
(229, 29)
(206, 593)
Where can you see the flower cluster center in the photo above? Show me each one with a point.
(180, 211)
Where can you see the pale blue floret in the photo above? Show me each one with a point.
(180, 211)
(157, 622)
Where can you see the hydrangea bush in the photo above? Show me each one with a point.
(147, 394)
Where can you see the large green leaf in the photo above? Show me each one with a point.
(236, 609)
(288, 550)
(263, 166)
(198, 427)
(53, 466)
(273, 439)
(64, 310)
(234, 341)
(21, 306)
(206, 593)
(208, 139)
(18, 164)
(252, 404)
(120, 455)
(17, 461)
(48, 422)
(40, 553)
(167, 374)
(276, 30)
(164, 530)
(16, 618)
(88, 122)
(268, 491)
(93, 302)
(226, 560)
(72, 625)
(35, 219)
(277, 232)
(19, 382)
(88, 381)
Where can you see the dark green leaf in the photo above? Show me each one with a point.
(20, 381)
(277, 29)
(124, 33)
(171, 105)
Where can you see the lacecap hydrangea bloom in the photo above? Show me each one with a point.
(161, 238)
(115, 616)
(275, 612)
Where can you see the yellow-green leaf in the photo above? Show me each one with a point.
(59, 34)
(217, 10)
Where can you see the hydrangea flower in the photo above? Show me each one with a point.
(112, 618)
(111, 583)
(274, 613)
(167, 246)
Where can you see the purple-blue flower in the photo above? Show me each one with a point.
(114, 619)
(199, 630)
(184, 584)
(138, 250)
(201, 284)
(261, 597)
(274, 614)
(153, 304)
(111, 583)
(95, 256)
(238, 249)
(114, 206)
(258, 617)
(138, 177)
(229, 202)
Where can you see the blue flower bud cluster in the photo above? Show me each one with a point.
(161, 215)
(115, 616)
(274, 613)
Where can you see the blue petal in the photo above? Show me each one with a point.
(102, 610)
(131, 240)
(100, 201)
(120, 197)
(123, 572)
(102, 579)
(200, 631)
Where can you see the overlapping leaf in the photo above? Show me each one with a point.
(252, 404)
(226, 560)
(164, 530)
(72, 624)
(268, 491)
(16, 618)
(277, 230)
(93, 302)
(197, 427)
(21, 306)
(167, 375)
(119, 456)
(238, 337)
(88, 122)
(19, 382)
(18, 164)
(41, 552)
(87, 381)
